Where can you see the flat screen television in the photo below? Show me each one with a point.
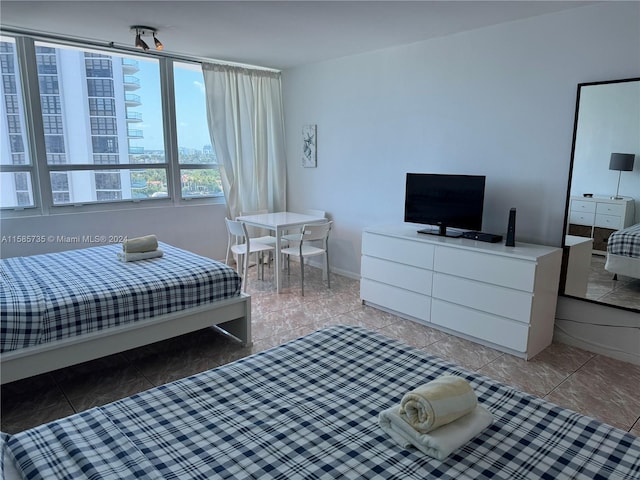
(444, 201)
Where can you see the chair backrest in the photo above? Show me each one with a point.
(316, 231)
(237, 229)
(254, 212)
(254, 231)
(315, 213)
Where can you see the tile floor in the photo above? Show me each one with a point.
(623, 292)
(592, 384)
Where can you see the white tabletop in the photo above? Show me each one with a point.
(279, 219)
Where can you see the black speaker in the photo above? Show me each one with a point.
(511, 229)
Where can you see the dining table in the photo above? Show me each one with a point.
(279, 222)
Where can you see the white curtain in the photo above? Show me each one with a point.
(246, 124)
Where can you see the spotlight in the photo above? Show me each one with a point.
(141, 43)
(159, 45)
(142, 31)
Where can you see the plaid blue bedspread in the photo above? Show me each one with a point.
(308, 410)
(625, 242)
(54, 296)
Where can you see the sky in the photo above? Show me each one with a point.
(191, 116)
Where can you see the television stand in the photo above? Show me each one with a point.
(441, 232)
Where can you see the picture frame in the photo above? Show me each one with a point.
(309, 146)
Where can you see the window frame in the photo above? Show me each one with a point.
(40, 170)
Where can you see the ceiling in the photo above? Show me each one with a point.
(274, 34)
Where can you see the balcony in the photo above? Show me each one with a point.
(132, 100)
(129, 66)
(131, 82)
(136, 150)
(135, 133)
(134, 117)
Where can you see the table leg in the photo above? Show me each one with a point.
(277, 261)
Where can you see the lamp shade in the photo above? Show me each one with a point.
(622, 162)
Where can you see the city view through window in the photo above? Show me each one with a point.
(103, 129)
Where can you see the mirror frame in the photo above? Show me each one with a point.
(565, 252)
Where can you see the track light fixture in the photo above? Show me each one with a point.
(142, 31)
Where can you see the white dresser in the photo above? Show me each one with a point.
(503, 297)
(598, 218)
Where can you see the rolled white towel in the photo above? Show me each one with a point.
(437, 403)
(148, 243)
(132, 257)
(441, 442)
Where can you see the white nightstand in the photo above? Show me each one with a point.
(598, 218)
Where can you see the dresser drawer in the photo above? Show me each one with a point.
(501, 331)
(583, 206)
(502, 301)
(394, 298)
(581, 218)
(616, 209)
(609, 221)
(486, 267)
(397, 274)
(409, 252)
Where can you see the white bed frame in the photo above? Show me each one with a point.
(232, 315)
(619, 264)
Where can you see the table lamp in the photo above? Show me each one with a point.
(622, 162)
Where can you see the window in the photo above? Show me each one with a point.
(9, 84)
(100, 87)
(97, 67)
(50, 105)
(102, 106)
(104, 110)
(48, 85)
(103, 126)
(52, 124)
(199, 171)
(16, 178)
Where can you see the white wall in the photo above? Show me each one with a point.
(498, 101)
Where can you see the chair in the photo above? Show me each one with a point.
(295, 237)
(265, 239)
(311, 232)
(237, 234)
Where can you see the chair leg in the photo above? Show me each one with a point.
(326, 256)
(245, 275)
(302, 274)
(226, 260)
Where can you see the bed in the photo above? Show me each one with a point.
(64, 308)
(308, 410)
(623, 252)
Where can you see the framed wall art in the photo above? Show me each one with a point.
(309, 144)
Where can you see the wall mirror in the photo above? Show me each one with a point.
(603, 203)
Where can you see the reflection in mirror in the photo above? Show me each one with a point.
(602, 242)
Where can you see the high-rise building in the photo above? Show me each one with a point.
(89, 115)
